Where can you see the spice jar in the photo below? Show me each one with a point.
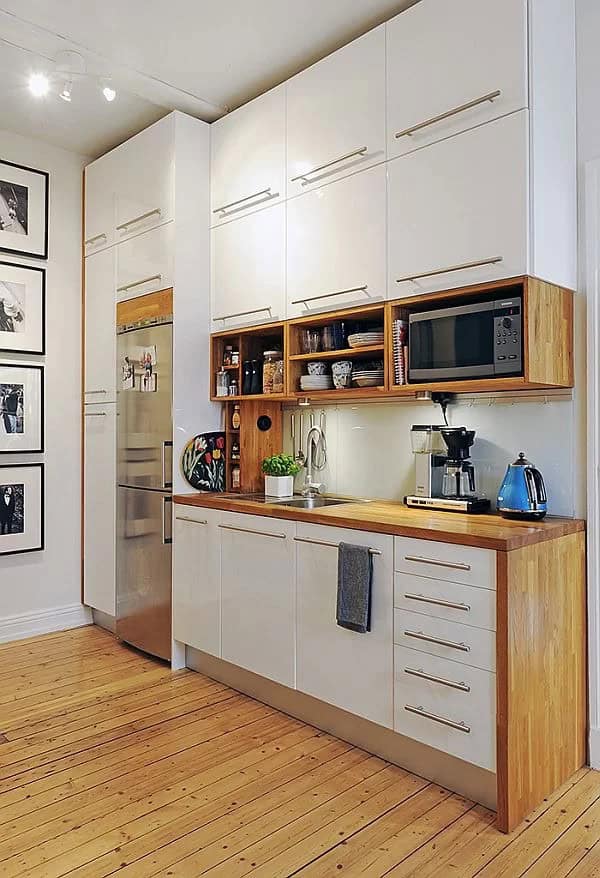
(227, 355)
(235, 450)
(235, 477)
(272, 372)
(236, 418)
(235, 357)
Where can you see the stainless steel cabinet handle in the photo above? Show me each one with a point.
(137, 219)
(460, 727)
(266, 191)
(491, 261)
(329, 545)
(95, 414)
(437, 601)
(491, 97)
(362, 289)
(258, 533)
(349, 155)
(137, 283)
(192, 520)
(451, 644)
(452, 565)
(166, 483)
(95, 238)
(167, 539)
(96, 391)
(419, 672)
(244, 313)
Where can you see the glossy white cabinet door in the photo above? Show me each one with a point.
(257, 595)
(248, 269)
(458, 210)
(144, 179)
(442, 56)
(336, 242)
(350, 670)
(100, 518)
(145, 262)
(100, 339)
(99, 231)
(336, 114)
(247, 157)
(197, 578)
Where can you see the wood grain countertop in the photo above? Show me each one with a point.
(384, 516)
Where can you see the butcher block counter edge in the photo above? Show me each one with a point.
(383, 516)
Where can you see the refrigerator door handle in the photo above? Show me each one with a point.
(167, 482)
(167, 540)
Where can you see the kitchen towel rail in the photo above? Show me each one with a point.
(328, 544)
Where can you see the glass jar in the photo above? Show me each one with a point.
(222, 383)
(236, 418)
(227, 354)
(272, 381)
(235, 477)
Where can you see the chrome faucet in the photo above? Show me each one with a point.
(314, 439)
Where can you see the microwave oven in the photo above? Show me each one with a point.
(475, 340)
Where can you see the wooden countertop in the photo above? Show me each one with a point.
(383, 516)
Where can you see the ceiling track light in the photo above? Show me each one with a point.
(107, 90)
(39, 85)
(67, 88)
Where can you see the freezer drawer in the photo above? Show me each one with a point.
(144, 529)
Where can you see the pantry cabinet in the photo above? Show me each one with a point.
(248, 269)
(145, 262)
(458, 211)
(453, 66)
(336, 114)
(247, 154)
(336, 244)
(100, 341)
(99, 205)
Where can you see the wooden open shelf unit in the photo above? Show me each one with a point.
(251, 343)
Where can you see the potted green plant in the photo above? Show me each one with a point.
(279, 471)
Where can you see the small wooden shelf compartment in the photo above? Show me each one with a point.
(251, 343)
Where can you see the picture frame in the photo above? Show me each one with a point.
(21, 408)
(22, 511)
(22, 308)
(23, 210)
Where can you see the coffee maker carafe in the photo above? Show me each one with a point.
(459, 473)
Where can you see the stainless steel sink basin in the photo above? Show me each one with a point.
(311, 502)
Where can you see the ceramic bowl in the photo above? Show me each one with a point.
(317, 367)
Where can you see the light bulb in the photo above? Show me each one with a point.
(65, 94)
(109, 92)
(39, 85)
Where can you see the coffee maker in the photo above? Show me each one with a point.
(445, 480)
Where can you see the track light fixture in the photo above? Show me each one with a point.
(65, 94)
(39, 85)
(108, 91)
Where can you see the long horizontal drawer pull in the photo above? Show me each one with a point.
(491, 97)
(192, 520)
(258, 533)
(329, 545)
(460, 727)
(452, 565)
(138, 219)
(138, 283)
(349, 155)
(95, 414)
(96, 391)
(451, 644)
(266, 191)
(419, 672)
(437, 601)
(362, 289)
(479, 262)
(243, 313)
(95, 238)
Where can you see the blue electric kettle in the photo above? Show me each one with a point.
(522, 493)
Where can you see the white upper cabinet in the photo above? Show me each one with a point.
(248, 269)
(145, 262)
(143, 180)
(459, 210)
(100, 339)
(451, 66)
(336, 114)
(336, 244)
(247, 157)
(99, 229)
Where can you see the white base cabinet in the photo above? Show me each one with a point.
(100, 517)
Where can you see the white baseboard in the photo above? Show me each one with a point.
(43, 622)
(594, 742)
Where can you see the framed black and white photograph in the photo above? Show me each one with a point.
(23, 210)
(22, 309)
(21, 409)
(21, 508)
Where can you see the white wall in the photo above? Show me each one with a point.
(42, 590)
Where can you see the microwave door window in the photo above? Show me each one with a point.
(449, 346)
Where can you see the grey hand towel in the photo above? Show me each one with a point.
(355, 573)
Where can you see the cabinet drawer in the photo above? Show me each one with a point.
(446, 561)
(451, 640)
(446, 705)
(145, 263)
(446, 600)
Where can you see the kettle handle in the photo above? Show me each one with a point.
(536, 489)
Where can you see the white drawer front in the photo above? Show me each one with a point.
(446, 600)
(446, 561)
(460, 643)
(446, 705)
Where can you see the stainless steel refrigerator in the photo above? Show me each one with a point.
(144, 486)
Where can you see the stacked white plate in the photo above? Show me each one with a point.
(365, 339)
(368, 377)
(316, 382)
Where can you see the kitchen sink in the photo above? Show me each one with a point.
(311, 502)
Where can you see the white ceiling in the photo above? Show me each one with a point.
(199, 56)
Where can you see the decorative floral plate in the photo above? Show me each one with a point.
(203, 462)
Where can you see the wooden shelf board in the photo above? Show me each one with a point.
(266, 397)
(345, 354)
(343, 393)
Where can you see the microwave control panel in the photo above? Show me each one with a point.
(508, 336)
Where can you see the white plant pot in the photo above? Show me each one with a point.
(279, 486)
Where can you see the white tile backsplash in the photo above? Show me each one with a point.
(369, 452)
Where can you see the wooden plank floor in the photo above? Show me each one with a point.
(110, 763)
